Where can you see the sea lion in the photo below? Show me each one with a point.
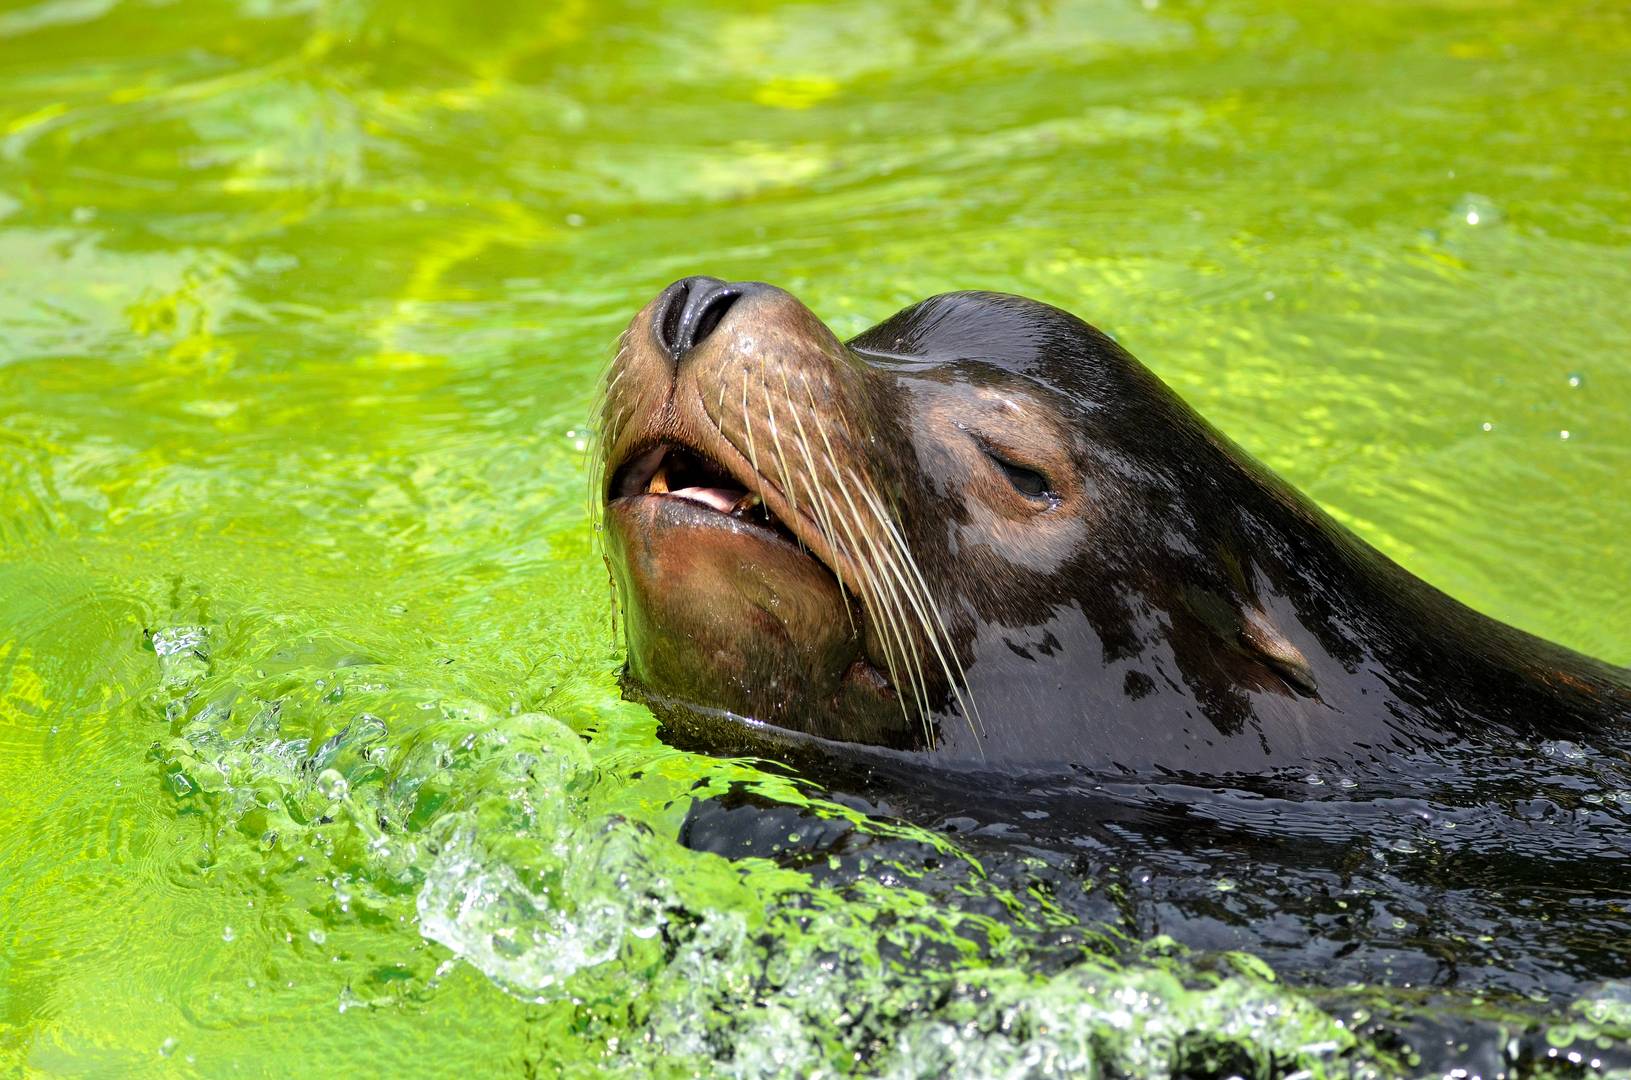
(982, 533)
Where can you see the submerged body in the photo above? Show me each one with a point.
(982, 533)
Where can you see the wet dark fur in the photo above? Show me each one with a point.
(1153, 669)
(1136, 650)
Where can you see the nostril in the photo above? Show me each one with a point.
(713, 309)
(690, 310)
(667, 323)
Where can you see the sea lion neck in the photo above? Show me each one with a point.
(1379, 640)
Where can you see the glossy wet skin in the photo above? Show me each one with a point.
(987, 532)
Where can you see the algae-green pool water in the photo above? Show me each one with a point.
(312, 758)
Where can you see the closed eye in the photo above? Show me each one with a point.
(1028, 482)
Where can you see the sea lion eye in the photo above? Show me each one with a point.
(1028, 482)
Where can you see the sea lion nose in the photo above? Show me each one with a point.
(691, 309)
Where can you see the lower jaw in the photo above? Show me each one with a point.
(861, 712)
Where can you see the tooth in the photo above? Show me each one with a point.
(746, 503)
(659, 482)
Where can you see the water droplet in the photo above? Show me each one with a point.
(317, 936)
(1575, 378)
(1488, 426)
(1564, 434)
(1224, 884)
(167, 1047)
(227, 933)
(331, 785)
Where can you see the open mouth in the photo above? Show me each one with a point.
(669, 470)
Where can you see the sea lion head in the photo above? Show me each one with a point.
(970, 529)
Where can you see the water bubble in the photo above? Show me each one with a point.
(317, 936)
(168, 1046)
(228, 934)
(1476, 210)
(1564, 434)
(1488, 426)
(332, 785)
(1575, 379)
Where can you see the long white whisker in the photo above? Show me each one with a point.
(959, 682)
(893, 616)
(747, 421)
(892, 636)
(819, 499)
(776, 447)
(889, 608)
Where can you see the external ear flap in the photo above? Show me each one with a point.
(1251, 631)
(1265, 639)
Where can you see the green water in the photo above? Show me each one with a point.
(301, 308)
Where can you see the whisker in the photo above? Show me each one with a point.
(892, 636)
(819, 498)
(892, 614)
(959, 682)
(747, 421)
(776, 445)
(869, 586)
(890, 610)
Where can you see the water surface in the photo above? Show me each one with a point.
(311, 755)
